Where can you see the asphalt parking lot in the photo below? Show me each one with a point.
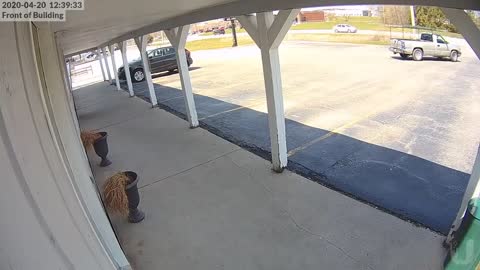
(398, 134)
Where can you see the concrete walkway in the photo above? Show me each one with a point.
(212, 205)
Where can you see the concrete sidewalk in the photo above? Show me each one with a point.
(212, 205)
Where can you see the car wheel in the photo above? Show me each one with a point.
(336, 31)
(404, 56)
(348, 31)
(454, 56)
(138, 75)
(418, 54)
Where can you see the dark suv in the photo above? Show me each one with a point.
(161, 59)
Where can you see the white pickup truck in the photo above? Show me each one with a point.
(428, 45)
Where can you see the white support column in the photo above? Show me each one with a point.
(114, 65)
(465, 26)
(100, 56)
(268, 32)
(142, 47)
(123, 49)
(471, 33)
(105, 58)
(68, 74)
(178, 38)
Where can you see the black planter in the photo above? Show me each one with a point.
(101, 148)
(134, 214)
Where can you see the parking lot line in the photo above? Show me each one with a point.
(168, 99)
(250, 106)
(330, 134)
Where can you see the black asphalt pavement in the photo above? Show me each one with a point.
(391, 176)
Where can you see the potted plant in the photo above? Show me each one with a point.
(99, 142)
(121, 195)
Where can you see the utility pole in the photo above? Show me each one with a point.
(412, 15)
(234, 32)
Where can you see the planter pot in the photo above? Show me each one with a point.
(101, 149)
(134, 214)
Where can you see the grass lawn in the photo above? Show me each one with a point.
(227, 32)
(342, 38)
(217, 43)
(361, 23)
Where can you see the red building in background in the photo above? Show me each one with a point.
(312, 16)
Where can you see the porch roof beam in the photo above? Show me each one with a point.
(93, 49)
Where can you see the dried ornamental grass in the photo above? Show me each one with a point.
(114, 193)
(89, 137)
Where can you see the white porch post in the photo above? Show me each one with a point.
(105, 58)
(100, 56)
(142, 47)
(268, 32)
(68, 74)
(471, 33)
(123, 49)
(178, 38)
(465, 26)
(111, 47)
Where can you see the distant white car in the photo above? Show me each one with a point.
(344, 28)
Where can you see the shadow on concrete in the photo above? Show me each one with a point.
(168, 73)
(426, 58)
(404, 185)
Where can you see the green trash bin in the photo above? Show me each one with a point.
(466, 255)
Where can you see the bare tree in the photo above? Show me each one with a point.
(396, 15)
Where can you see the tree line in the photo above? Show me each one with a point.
(431, 17)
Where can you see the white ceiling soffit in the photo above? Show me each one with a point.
(110, 21)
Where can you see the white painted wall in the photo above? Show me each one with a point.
(51, 217)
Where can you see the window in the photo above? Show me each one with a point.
(169, 51)
(158, 52)
(426, 37)
(441, 40)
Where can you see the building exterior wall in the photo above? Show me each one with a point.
(46, 222)
(312, 16)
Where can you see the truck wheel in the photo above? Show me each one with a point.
(454, 56)
(417, 54)
(138, 75)
(404, 56)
